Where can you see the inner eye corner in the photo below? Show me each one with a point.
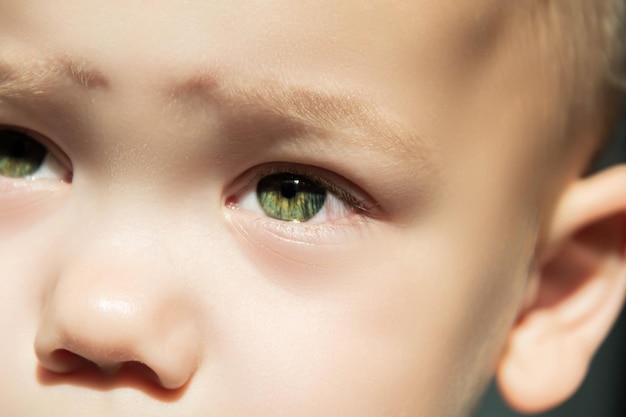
(69, 178)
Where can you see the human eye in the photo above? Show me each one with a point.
(23, 155)
(299, 195)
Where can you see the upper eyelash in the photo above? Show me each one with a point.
(359, 204)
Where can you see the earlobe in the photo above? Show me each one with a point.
(580, 282)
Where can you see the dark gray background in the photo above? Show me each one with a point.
(603, 394)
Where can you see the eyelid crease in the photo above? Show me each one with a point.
(322, 110)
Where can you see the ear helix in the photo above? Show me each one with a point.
(581, 285)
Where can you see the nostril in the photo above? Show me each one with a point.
(117, 330)
(130, 374)
(65, 361)
(136, 369)
(108, 367)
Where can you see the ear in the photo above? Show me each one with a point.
(575, 294)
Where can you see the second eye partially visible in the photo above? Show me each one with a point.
(22, 156)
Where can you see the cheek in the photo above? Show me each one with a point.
(26, 255)
(320, 329)
(475, 284)
(29, 245)
(377, 321)
(392, 322)
(311, 354)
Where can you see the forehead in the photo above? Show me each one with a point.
(372, 49)
(433, 68)
(273, 36)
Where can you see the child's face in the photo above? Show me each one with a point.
(413, 119)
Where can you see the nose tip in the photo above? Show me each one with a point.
(114, 324)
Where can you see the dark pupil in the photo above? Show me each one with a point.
(18, 150)
(290, 197)
(289, 188)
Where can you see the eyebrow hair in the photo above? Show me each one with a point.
(37, 76)
(313, 109)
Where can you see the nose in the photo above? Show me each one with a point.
(113, 313)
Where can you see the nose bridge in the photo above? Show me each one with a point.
(118, 300)
(126, 230)
(127, 222)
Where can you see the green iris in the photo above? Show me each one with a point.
(290, 197)
(20, 156)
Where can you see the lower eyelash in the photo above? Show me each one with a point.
(332, 234)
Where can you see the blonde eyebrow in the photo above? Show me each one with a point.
(361, 123)
(309, 108)
(37, 77)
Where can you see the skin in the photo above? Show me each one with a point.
(146, 287)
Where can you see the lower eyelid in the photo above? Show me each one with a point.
(274, 233)
(21, 200)
(11, 186)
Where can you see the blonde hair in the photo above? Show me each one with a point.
(595, 30)
(586, 41)
(608, 19)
